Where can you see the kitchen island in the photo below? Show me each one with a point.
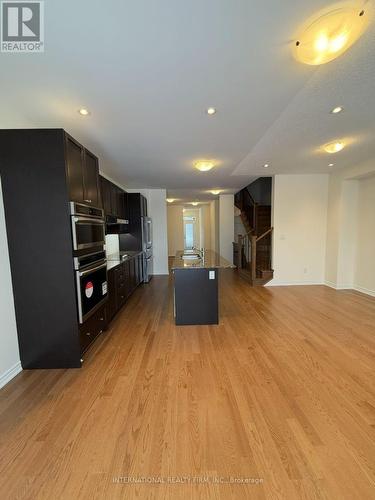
(196, 286)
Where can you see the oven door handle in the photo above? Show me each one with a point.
(90, 220)
(88, 271)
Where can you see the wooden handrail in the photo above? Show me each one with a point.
(264, 234)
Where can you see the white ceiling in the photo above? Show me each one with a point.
(147, 70)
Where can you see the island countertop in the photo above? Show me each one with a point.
(209, 260)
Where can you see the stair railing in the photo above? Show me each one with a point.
(245, 202)
(247, 251)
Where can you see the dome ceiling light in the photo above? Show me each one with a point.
(329, 34)
(204, 165)
(334, 147)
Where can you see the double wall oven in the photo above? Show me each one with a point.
(88, 232)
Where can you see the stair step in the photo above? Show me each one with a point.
(258, 281)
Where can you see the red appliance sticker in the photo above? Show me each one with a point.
(89, 289)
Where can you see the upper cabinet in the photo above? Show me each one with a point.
(82, 173)
(91, 187)
(114, 199)
(137, 204)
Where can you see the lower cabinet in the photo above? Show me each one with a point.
(122, 281)
(93, 327)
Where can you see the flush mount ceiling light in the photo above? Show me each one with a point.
(215, 192)
(84, 112)
(329, 34)
(266, 165)
(204, 165)
(334, 147)
(330, 164)
(194, 203)
(170, 200)
(211, 111)
(336, 110)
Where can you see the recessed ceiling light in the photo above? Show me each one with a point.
(329, 34)
(84, 112)
(331, 164)
(334, 147)
(216, 192)
(211, 111)
(204, 165)
(170, 200)
(336, 110)
(266, 165)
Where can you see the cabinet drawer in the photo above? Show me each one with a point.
(92, 328)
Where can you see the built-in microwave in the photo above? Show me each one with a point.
(88, 227)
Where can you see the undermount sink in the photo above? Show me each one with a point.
(190, 256)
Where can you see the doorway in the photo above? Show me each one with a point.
(191, 229)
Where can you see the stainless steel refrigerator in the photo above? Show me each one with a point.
(148, 257)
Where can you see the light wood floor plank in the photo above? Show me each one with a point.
(281, 392)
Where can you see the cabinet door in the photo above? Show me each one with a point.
(91, 189)
(127, 278)
(121, 204)
(125, 205)
(111, 304)
(75, 166)
(105, 195)
(132, 274)
(136, 272)
(114, 199)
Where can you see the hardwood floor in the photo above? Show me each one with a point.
(280, 397)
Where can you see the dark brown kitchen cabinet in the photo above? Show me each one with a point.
(105, 188)
(91, 187)
(93, 327)
(122, 281)
(74, 169)
(46, 169)
(82, 169)
(137, 206)
(114, 199)
(112, 296)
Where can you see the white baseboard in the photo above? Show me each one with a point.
(335, 286)
(294, 283)
(10, 373)
(356, 288)
(364, 290)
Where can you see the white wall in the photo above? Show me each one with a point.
(213, 226)
(226, 223)
(9, 354)
(175, 229)
(364, 267)
(205, 217)
(350, 230)
(300, 228)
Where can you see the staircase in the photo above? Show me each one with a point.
(254, 249)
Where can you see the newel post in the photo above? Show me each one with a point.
(253, 257)
(239, 251)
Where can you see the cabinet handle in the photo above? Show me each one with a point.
(101, 319)
(88, 201)
(88, 334)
